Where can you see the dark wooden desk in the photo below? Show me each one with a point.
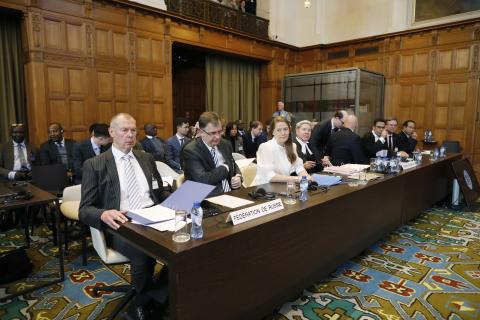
(245, 271)
(40, 197)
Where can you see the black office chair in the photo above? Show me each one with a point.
(451, 146)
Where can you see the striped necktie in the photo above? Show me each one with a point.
(225, 186)
(133, 194)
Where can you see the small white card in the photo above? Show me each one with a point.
(253, 212)
(408, 165)
(229, 201)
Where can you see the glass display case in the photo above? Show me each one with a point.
(317, 95)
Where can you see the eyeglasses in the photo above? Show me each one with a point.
(214, 133)
(380, 127)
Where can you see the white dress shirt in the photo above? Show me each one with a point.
(272, 160)
(95, 147)
(382, 139)
(305, 148)
(17, 165)
(142, 183)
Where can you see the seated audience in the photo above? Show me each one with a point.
(253, 139)
(407, 138)
(322, 132)
(153, 144)
(17, 156)
(176, 143)
(98, 143)
(303, 132)
(277, 158)
(345, 145)
(232, 135)
(57, 149)
(114, 182)
(375, 141)
(208, 159)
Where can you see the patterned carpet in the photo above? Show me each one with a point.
(429, 269)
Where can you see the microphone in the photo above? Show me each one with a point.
(260, 193)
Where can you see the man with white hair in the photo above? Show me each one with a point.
(345, 145)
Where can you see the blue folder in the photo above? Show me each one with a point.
(188, 193)
(326, 180)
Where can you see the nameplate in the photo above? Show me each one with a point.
(253, 212)
(408, 165)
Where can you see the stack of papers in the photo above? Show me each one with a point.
(324, 180)
(151, 215)
(346, 169)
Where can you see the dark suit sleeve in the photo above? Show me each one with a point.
(315, 143)
(357, 151)
(194, 167)
(370, 146)
(170, 156)
(89, 212)
(77, 161)
(44, 154)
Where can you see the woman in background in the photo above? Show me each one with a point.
(277, 158)
(232, 135)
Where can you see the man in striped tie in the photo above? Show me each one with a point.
(208, 158)
(114, 182)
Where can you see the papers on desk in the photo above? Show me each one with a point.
(151, 215)
(229, 201)
(188, 193)
(324, 180)
(166, 225)
(167, 181)
(369, 176)
(244, 162)
(346, 169)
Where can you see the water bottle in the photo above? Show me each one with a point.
(303, 189)
(443, 152)
(197, 217)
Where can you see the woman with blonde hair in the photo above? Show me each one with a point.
(277, 158)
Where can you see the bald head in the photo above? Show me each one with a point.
(350, 122)
(123, 130)
(116, 119)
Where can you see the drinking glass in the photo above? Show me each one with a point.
(181, 232)
(290, 199)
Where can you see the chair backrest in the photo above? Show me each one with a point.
(107, 255)
(248, 174)
(73, 193)
(238, 156)
(180, 179)
(451, 146)
(165, 170)
(52, 178)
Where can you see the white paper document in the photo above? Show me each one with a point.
(229, 201)
(166, 225)
(153, 214)
(167, 181)
(346, 169)
(244, 162)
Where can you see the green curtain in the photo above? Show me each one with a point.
(233, 88)
(12, 91)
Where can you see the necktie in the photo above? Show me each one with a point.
(132, 187)
(390, 142)
(21, 157)
(181, 142)
(225, 186)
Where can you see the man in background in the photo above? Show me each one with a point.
(176, 143)
(322, 132)
(281, 112)
(253, 138)
(153, 144)
(17, 156)
(407, 138)
(57, 149)
(375, 141)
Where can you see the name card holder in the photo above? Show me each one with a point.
(408, 165)
(253, 212)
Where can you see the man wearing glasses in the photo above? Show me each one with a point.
(17, 156)
(375, 142)
(322, 132)
(208, 158)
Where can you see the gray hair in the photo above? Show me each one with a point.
(301, 123)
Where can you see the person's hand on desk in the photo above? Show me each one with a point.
(111, 217)
(309, 164)
(326, 162)
(236, 181)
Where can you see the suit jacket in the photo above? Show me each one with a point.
(370, 147)
(345, 147)
(101, 185)
(393, 150)
(198, 165)
(148, 146)
(406, 143)
(173, 152)
(251, 147)
(319, 139)
(7, 160)
(308, 157)
(83, 151)
(49, 152)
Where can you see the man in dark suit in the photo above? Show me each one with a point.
(17, 156)
(176, 143)
(253, 138)
(114, 182)
(208, 159)
(345, 145)
(322, 132)
(407, 138)
(153, 144)
(392, 139)
(57, 149)
(98, 143)
(375, 141)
